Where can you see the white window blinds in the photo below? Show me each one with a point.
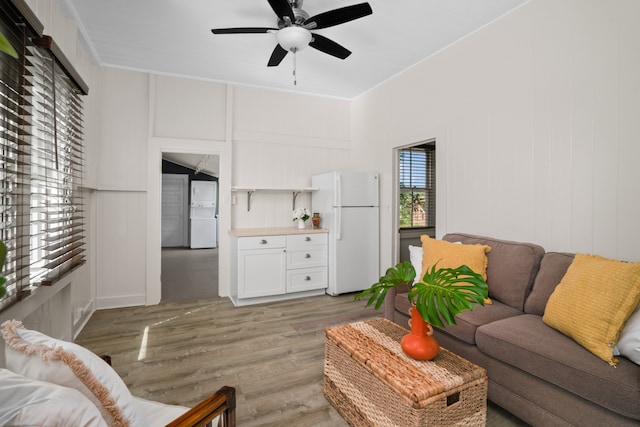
(41, 160)
(417, 186)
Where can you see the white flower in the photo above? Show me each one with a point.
(301, 213)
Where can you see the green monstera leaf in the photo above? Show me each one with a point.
(401, 274)
(444, 293)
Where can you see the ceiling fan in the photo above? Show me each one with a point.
(295, 25)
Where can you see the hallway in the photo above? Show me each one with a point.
(189, 274)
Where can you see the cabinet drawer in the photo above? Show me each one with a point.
(261, 242)
(306, 279)
(304, 240)
(313, 256)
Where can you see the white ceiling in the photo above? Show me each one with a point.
(173, 37)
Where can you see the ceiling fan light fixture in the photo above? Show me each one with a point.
(294, 38)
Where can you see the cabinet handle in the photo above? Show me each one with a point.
(307, 239)
(307, 256)
(263, 242)
(307, 278)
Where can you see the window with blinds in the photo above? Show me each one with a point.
(418, 186)
(41, 159)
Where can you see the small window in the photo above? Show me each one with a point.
(418, 186)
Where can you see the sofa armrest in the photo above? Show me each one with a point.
(389, 304)
(222, 402)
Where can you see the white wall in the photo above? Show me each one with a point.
(535, 118)
(121, 187)
(263, 138)
(536, 121)
(279, 141)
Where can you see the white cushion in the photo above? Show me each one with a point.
(40, 357)
(415, 256)
(629, 342)
(27, 402)
(160, 414)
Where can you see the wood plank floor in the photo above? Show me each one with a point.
(273, 354)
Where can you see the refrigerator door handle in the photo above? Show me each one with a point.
(338, 190)
(339, 223)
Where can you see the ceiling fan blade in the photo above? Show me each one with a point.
(277, 56)
(246, 30)
(326, 45)
(338, 16)
(282, 8)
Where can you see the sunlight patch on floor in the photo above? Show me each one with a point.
(143, 345)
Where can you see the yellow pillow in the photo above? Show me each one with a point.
(593, 300)
(453, 255)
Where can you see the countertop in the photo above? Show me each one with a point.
(273, 231)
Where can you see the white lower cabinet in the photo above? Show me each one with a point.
(274, 267)
(306, 262)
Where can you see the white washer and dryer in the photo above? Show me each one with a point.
(204, 221)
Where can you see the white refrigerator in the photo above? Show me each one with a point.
(204, 223)
(349, 208)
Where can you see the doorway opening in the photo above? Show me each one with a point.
(415, 186)
(189, 230)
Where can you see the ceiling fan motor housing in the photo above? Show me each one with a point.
(299, 15)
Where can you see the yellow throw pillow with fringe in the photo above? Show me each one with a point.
(592, 302)
(453, 255)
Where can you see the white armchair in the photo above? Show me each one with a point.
(57, 383)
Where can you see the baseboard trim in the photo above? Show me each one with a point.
(118, 302)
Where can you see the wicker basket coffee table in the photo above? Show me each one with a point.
(371, 382)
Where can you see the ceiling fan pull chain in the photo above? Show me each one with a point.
(295, 77)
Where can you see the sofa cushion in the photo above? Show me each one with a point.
(467, 322)
(511, 269)
(553, 267)
(592, 302)
(527, 343)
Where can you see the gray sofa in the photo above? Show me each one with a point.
(535, 372)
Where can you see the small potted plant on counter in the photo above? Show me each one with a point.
(300, 215)
(442, 294)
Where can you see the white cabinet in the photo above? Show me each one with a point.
(261, 266)
(271, 267)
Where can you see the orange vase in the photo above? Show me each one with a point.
(419, 344)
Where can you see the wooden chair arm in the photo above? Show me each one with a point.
(222, 402)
